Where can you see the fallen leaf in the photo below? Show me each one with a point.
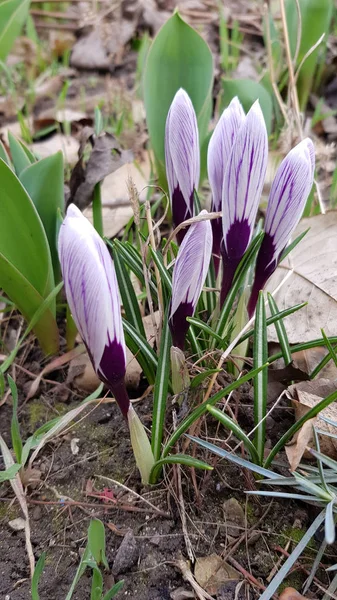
(211, 572)
(290, 593)
(105, 158)
(314, 261)
(304, 396)
(17, 524)
(307, 360)
(66, 143)
(54, 365)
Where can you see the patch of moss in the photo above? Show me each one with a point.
(294, 580)
(61, 408)
(37, 414)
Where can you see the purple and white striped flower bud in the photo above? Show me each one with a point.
(182, 157)
(93, 297)
(242, 188)
(189, 276)
(289, 193)
(219, 149)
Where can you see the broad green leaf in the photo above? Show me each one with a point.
(19, 156)
(248, 91)
(43, 181)
(3, 154)
(315, 21)
(96, 542)
(26, 273)
(178, 57)
(9, 473)
(13, 14)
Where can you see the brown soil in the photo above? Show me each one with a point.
(59, 528)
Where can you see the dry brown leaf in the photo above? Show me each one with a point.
(66, 143)
(290, 593)
(304, 396)
(307, 360)
(211, 572)
(55, 364)
(314, 261)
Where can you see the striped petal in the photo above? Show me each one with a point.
(220, 147)
(92, 294)
(242, 188)
(182, 156)
(288, 196)
(189, 276)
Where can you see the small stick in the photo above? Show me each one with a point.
(53, 14)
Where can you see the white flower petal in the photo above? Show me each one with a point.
(245, 172)
(192, 264)
(220, 146)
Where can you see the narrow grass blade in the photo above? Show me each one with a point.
(15, 427)
(260, 352)
(304, 346)
(237, 460)
(164, 273)
(321, 364)
(236, 429)
(161, 389)
(271, 320)
(279, 578)
(329, 347)
(142, 350)
(198, 379)
(202, 409)
(37, 575)
(329, 527)
(178, 459)
(206, 328)
(315, 566)
(133, 260)
(293, 244)
(281, 331)
(129, 298)
(292, 430)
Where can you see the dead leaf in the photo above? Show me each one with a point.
(291, 594)
(304, 396)
(74, 447)
(314, 261)
(307, 360)
(211, 572)
(66, 143)
(54, 365)
(105, 158)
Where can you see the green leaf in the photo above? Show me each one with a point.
(129, 298)
(236, 429)
(281, 331)
(292, 430)
(37, 575)
(315, 21)
(206, 328)
(161, 389)
(43, 181)
(26, 273)
(260, 353)
(96, 542)
(178, 459)
(3, 154)
(280, 315)
(114, 590)
(96, 583)
(248, 91)
(202, 408)
(178, 57)
(9, 473)
(293, 244)
(198, 379)
(19, 156)
(13, 14)
(142, 350)
(15, 427)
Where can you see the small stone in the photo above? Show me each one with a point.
(37, 513)
(17, 524)
(234, 517)
(127, 554)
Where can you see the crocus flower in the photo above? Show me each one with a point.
(288, 196)
(182, 157)
(219, 149)
(93, 298)
(189, 275)
(241, 192)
